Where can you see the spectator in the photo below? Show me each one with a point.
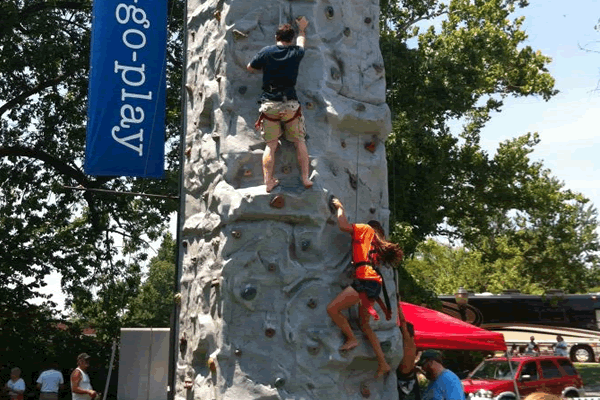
(532, 347)
(50, 382)
(444, 384)
(541, 396)
(408, 385)
(81, 386)
(15, 385)
(560, 347)
(514, 350)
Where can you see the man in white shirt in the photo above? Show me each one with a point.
(81, 387)
(50, 383)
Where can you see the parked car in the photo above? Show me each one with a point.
(494, 378)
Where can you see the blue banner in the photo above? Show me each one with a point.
(126, 96)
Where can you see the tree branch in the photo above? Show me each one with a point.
(60, 5)
(34, 90)
(55, 162)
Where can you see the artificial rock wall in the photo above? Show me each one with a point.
(259, 268)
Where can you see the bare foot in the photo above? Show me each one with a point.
(349, 345)
(271, 185)
(307, 183)
(382, 370)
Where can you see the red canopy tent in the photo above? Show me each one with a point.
(436, 330)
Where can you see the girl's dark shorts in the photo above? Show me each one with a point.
(371, 288)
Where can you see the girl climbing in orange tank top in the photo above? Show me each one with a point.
(369, 250)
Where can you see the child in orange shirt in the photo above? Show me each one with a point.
(369, 249)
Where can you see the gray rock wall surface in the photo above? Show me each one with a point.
(257, 274)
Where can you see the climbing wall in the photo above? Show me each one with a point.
(259, 268)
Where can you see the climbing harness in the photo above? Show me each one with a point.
(263, 116)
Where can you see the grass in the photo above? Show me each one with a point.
(590, 373)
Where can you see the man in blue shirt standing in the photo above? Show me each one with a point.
(279, 103)
(444, 384)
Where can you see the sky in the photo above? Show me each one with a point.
(569, 123)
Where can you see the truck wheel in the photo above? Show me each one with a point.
(581, 353)
(508, 397)
(571, 394)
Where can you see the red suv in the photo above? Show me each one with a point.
(493, 378)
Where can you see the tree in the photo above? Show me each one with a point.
(153, 304)
(44, 62)
(459, 69)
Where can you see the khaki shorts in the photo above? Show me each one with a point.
(294, 131)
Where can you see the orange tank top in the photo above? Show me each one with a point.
(362, 239)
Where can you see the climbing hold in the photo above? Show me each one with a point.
(236, 234)
(378, 68)
(177, 298)
(364, 390)
(238, 352)
(188, 384)
(335, 73)
(347, 31)
(353, 181)
(247, 172)
(184, 243)
(312, 303)
(286, 169)
(188, 152)
(330, 204)
(248, 293)
(279, 382)
(371, 146)
(277, 201)
(242, 89)
(329, 12)
(309, 105)
(217, 15)
(360, 107)
(343, 143)
(305, 244)
(212, 365)
(183, 345)
(313, 350)
(367, 20)
(272, 267)
(269, 332)
(239, 35)
(372, 210)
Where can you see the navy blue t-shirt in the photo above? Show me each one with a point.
(279, 65)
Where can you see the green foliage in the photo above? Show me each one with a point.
(449, 66)
(85, 236)
(458, 69)
(153, 304)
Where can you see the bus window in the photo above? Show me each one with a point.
(598, 318)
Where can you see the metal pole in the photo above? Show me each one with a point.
(110, 367)
(178, 259)
(513, 375)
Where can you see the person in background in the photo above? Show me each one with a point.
(532, 347)
(81, 387)
(560, 347)
(443, 383)
(50, 382)
(542, 396)
(408, 384)
(15, 385)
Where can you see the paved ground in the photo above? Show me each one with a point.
(592, 391)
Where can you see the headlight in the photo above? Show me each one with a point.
(485, 393)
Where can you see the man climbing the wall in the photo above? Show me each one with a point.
(280, 112)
